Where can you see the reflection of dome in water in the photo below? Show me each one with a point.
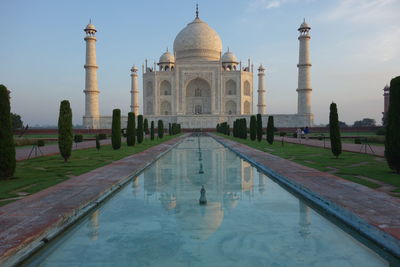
(200, 222)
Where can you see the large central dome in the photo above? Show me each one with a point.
(198, 41)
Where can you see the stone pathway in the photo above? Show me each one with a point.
(373, 213)
(376, 150)
(23, 153)
(27, 223)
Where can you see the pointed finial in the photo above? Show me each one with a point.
(304, 20)
(90, 21)
(197, 11)
(228, 48)
(167, 48)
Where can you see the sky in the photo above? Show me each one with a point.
(355, 50)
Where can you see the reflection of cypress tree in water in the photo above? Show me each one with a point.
(304, 219)
(93, 225)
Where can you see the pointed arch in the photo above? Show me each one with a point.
(165, 88)
(230, 87)
(247, 89)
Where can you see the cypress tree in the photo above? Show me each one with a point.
(139, 131)
(259, 127)
(152, 130)
(65, 135)
(392, 139)
(130, 132)
(169, 129)
(334, 130)
(160, 129)
(244, 128)
(116, 129)
(97, 142)
(7, 147)
(253, 128)
(146, 126)
(270, 130)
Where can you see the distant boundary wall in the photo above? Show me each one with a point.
(280, 129)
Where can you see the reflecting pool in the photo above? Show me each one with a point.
(249, 220)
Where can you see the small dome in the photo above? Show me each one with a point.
(304, 26)
(134, 69)
(198, 40)
(90, 27)
(167, 57)
(229, 57)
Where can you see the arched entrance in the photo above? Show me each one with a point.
(198, 97)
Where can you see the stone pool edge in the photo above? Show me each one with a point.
(380, 237)
(26, 248)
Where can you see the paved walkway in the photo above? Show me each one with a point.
(23, 153)
(367, 149)
(374, 213)
(24, 224)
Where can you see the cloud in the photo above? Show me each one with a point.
(266, 4)
(375, 25)
(363, 11)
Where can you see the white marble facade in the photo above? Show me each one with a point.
(198, 86)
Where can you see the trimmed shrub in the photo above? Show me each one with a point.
(357, 141)
(392, 141)
(259, 127)
(244, 128)
(160, 129)
(270, 130)
(253, 128)
(116, 129)
(98, 142)
(65, 130)
(139, 131)
(131, 130)
(146, 126)
(102, 136)
(282, 134)
(40, 143)
(7, 147)
(334, 131)
(78, 138)
(152, 130)
(380, 131)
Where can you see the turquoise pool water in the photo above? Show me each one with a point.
(249, 220)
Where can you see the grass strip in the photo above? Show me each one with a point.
(36, 174)
(347, 166)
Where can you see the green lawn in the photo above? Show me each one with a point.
(349, 165)
(39, 173)
(50, 136)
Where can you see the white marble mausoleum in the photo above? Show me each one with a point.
(198, 84)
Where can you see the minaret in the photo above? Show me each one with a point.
(134, 91)
(261, 107)
(304, 82)
(91, 118)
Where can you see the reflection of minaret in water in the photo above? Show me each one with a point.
(94, 225)
(135, 185)
(261, 182)
(304, 219)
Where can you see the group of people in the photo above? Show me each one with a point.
(302, 132)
